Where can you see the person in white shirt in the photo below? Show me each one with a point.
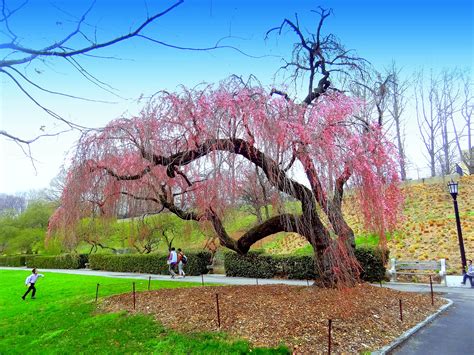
(172, 262)
(30, 283)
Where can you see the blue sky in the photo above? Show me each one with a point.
(416, 34)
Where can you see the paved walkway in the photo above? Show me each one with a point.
(211, 278)
(449, 334)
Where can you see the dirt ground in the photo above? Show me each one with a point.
(364, 318)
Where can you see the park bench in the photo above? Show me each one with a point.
(415, 268)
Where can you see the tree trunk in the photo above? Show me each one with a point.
(334, 261)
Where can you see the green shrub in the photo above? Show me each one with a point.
(148, 263)
(16, 260)
(300, 267)
(372, 262)
(253, 264)
(66, 261)
(256, 264)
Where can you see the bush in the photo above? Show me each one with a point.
(300, 267)
(66, 261)
(372, 262)
(255, 264)
(148, 263)
(17, 260)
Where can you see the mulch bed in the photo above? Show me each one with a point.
(364, 317)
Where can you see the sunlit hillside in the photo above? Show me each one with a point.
(427, 232)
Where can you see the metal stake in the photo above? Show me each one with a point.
(431, 286)
(401, 310)
(329, 335)
(134, 300)
(96, 293)
(149, 282)
(218, 311)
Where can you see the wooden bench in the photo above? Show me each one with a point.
(399, 267)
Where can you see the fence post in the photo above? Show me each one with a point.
(202, 279)
(431, 286)
(96, 293)
(401, 309)
(307, 282)
(256, 280)
(393, 270)
(218, 311)
(149, 281)
(134, 301)
(442, 272)
(329, 335)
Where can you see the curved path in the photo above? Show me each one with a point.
(451, 333)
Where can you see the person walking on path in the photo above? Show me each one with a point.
(172, 262)
(182, 260)
(469, 274)
(30, 283)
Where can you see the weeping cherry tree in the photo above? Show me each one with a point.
(189, 153)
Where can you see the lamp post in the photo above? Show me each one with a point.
(453, 190)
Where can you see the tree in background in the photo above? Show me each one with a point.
(442, 103)
(148, 232)
(426, 114)
(464, 130)
(186, 152)
(397, 102)
(8, 230)
(24, 233)
(447, 94)
(9, 202)
(257, 195)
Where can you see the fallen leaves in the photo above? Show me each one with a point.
(364, 317)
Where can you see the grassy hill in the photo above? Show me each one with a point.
(427, 231)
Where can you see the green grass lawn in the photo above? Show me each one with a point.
(62, 319)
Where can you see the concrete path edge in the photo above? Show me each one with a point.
(406, 335)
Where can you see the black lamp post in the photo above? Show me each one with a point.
(453, 190)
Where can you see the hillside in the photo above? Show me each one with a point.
(427, 232)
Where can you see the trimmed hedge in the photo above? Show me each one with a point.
(255, 264)
(148, 263)
(66, 261)
(17, 260)
(372, 262)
